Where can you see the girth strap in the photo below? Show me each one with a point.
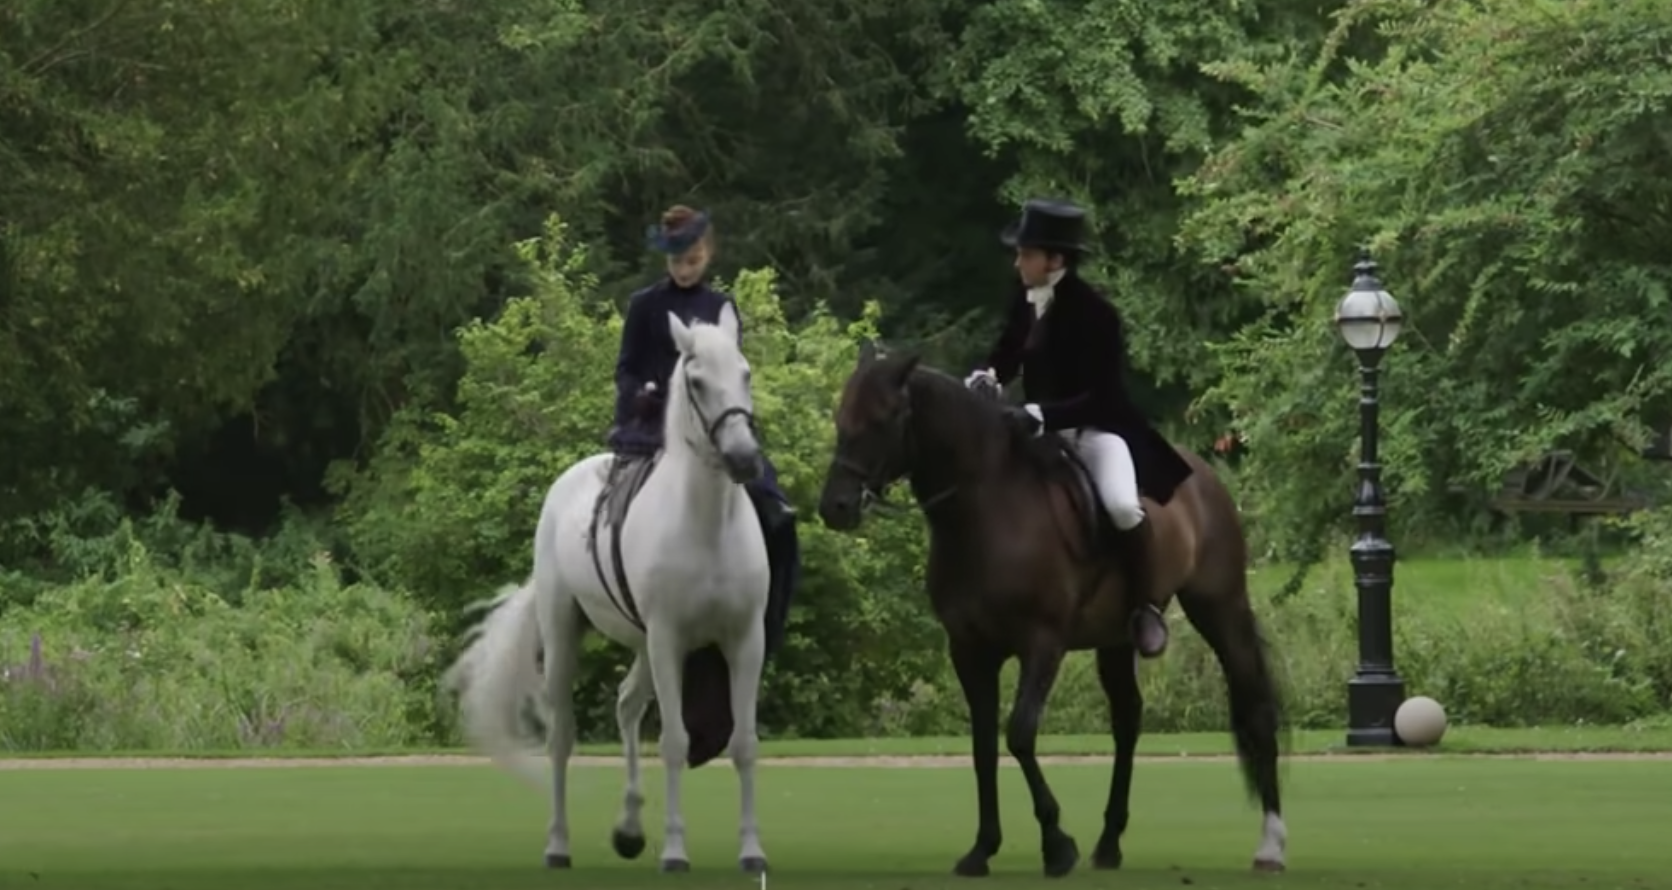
(626, 476)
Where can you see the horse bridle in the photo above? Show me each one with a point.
(874, 481)
(711, 428)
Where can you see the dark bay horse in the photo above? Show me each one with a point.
(1010, 528)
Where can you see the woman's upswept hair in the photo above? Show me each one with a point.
(681, 228)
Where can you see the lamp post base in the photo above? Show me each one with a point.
(1372, 700)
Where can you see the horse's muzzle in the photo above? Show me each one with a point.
(841, 513)
(743, 466)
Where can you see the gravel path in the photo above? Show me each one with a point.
(936, 761)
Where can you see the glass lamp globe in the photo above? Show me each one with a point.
(1368, 316)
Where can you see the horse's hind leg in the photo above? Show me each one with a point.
(666, 653)
(1227, 623)
(561, 631)
(1040, 664)
(1117, 670)
(746, 659)
(631, 702)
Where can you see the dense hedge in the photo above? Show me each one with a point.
(163, 635)
(216, 645)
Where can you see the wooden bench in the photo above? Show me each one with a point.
(1557, 484)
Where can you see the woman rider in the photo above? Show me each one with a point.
(643, 368)
(1065, 339)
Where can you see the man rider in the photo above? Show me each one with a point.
(1066, 340)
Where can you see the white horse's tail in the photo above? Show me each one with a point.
(495, 679)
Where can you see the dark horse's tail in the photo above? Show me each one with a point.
(1258, 724)
(1218, 605)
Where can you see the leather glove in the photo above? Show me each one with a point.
(983, 381)
(1025, 419)
(649, 402)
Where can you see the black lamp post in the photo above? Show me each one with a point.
(1369, 320)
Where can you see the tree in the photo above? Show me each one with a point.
(1507, 163)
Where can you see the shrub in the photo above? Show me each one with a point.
(1553, 654)
(139, 655)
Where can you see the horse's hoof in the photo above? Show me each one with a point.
(672, 866)
(1107, 857)
(1061, 855)
(972, 865)
(558, 860)
(1269, 866)
(627, 846)
(753, 865)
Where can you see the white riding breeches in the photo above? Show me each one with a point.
(1110, 462)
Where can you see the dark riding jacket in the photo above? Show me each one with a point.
(1073, 366)
(648, 355)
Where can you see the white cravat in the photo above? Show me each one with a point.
(1041, 297)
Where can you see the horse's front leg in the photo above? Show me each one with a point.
(631, 702)
(1039, 673)
(978, 674)
(746, 659)
(666, 653)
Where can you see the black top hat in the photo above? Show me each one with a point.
(1050, 225)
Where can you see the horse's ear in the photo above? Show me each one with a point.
(902, 372)
(867, 352)
(681, 333)
(729, 321)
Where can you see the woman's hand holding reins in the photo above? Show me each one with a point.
(648, 402)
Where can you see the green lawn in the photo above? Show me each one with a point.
(1406, 824)
(1459, 740)
(1429, 585)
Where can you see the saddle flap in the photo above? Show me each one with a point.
(626, 475)
(1089, 509)
(626, 478)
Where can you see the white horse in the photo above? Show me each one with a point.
(696, 565)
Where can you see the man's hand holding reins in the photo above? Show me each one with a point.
(1025, 419)
(982, 381)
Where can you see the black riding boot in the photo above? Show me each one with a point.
(774, 513)
(1148, 625)
(778, 528)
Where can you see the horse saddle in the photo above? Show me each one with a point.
(625, 477)
(1089, 510)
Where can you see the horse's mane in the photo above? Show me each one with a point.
(1042, 455)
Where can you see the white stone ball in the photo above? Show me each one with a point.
(1420, 722)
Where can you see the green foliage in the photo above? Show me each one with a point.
(149, 650)
(1555, 654)
(1106, 102)
(1507, 163)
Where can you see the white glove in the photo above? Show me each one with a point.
(979, 375)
